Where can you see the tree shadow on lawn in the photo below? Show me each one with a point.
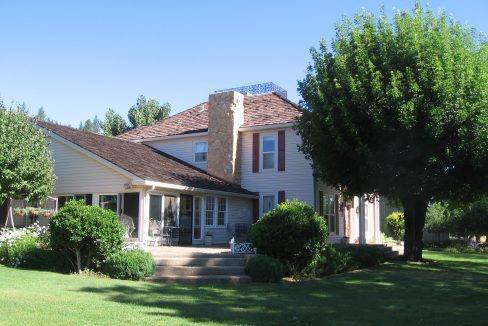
(405, 293)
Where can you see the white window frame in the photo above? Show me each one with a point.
(262, 152)
(330, 215)
(262, 201)
(215, 211)
(195, 151)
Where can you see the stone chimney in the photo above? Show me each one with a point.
(225, 116)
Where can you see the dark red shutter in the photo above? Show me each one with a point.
(255, 153)
(255, 210)
(321, 203)
(336, 203)
(281, 150)
(281, 196)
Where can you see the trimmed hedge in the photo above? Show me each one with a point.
(292, 232)
(265, 269)
(85, 234)
(395, 225)
(44, 259)
(134, 264)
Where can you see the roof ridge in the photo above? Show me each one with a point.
(161, 121)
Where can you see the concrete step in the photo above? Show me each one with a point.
(206, 261)
(161, 254)
(201, 279)
(199, 270)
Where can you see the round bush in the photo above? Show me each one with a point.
(292, 232)
(86, 234)
(329, 261)
(133, 264)
(395, 225)
(265, 269)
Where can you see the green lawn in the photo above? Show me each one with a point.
(453, 290)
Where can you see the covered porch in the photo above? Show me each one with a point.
(156, 216)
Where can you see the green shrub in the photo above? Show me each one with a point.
(329, 261)
(44, 259)
(395, 225)
(133, 264)
(13, 251)
(265, 269)
(86, 235)
(292, 233)
(362, 256)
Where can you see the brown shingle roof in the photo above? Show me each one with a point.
(259, 110)
(143, 161)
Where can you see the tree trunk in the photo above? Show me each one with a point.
(78, 261)
(415, 208)
(3, 213)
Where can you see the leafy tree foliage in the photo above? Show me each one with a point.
(395, 225)
(473, 221)
(41, 115)
(26, 165)
(399, 108)
(113, 124)
(146, 112)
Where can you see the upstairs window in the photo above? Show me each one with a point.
(268, 152)
(200, 151)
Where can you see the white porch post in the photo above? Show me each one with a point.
(377, 231)
(143, 216)
(362, 224)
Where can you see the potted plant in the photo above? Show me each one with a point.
(208, 239)
(20, 212)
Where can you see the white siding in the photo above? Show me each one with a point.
(296, 180)
(79, 173)
(181, 148)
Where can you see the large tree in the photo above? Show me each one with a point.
(146, 112)
(113, 124)
(399, 108)
(26, 165)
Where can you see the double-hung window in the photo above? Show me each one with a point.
(330, 212)
(268, 152)
(222, 211)
(269, 203)
(200, 151)
(215, 211)
(209, 210)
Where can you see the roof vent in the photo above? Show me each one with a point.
(257, 89)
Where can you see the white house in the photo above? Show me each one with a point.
(208, 170)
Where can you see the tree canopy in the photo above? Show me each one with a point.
(146, 112)
(113, 124)
(398, 107)
(26, 165)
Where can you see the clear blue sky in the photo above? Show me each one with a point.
(78, 59)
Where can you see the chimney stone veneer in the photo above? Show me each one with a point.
(225, 116)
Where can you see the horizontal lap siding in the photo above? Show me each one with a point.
(297, 179)
(79, 173)
(181, 148)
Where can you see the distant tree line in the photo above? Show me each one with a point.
(143, 113)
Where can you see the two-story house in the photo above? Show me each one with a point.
(205, 170)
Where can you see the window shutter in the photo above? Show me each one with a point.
(255, 153)
(281, 150)
(255, 210)
(336, 204)
(281, 196)
(321, 203)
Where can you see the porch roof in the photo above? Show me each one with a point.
(143, 161)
